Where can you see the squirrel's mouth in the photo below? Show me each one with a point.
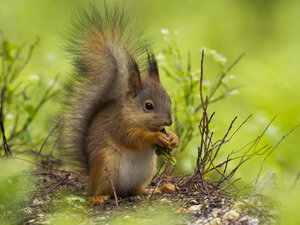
(161, 128)
(156, 128)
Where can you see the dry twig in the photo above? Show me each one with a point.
(208, 150)
(45, 141)
(3, 91)
(60, 183)
(112, 185)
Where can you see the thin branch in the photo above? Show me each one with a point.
(3, 92)
(272, 150)
(218, 82)
(222, 96)
(229, 184)
(60, 183)
(157, 172)
(201, 78)
(47, 95)
(112, 185)
(5, 142)
(296, 180)
(159, 180)
(27, 59)
(45, 141)
(47, 168)
(223, 74)
(236, 61)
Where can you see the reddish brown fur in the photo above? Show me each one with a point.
(107, 137)
(107, 123)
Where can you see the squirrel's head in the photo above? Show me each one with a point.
(147, 101)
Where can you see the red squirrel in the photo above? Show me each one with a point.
(114, 111)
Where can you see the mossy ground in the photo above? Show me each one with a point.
(61, 198)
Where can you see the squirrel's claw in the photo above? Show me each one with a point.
(99, 199)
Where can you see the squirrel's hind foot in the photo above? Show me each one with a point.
(99, 199)
(168, 187)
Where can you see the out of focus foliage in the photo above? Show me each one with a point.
(22, 96)
(185, 86)
(15, 185)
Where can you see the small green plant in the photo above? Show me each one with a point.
(185, 94)
(21, 99)
(21, 96)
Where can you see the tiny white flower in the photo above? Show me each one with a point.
(205, 83)
(234, 92)
(50, 57)
(219, 58)
(9, 116)
(212, 51)
(164, 31)
(51, 82)
(34, 77)
(160, 56)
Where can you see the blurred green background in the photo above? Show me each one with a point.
(268, 31)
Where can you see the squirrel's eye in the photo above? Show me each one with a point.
(149, 106)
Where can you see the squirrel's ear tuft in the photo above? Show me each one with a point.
(134, 80)
(152, 66)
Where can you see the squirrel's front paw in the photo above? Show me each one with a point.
(163, 140)
(173, 139)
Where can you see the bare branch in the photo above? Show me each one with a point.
(47, 95)
(3, 92)
(45, 141)
(60, 183)
(272, 150)
(112, 185)
(296, 180)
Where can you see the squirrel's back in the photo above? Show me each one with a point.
(104, 46)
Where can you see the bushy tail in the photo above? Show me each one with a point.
(101, 44)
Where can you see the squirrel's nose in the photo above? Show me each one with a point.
(168, 122)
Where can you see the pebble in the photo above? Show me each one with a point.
(27, 210)
(195, 208)
(250, 220)
(238, 206)
(231, 215)
(26, 199)
(43, 222)
(36, 201)
(97, 219)
(215, 221)
(31, 221)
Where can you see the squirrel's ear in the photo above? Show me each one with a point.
(152, 67)
(134, 80)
